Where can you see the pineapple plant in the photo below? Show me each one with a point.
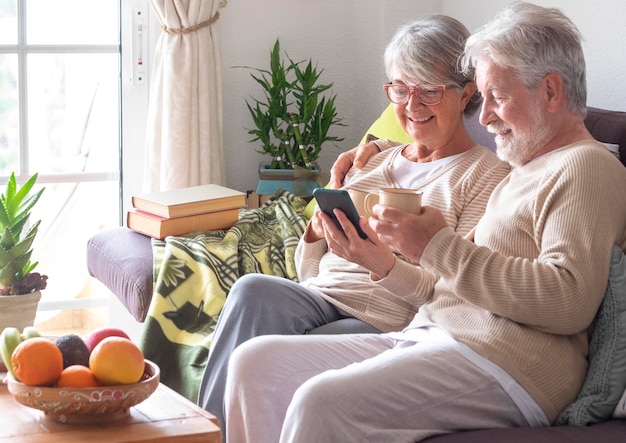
(16, 269)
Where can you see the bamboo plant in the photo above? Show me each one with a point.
(294, 118)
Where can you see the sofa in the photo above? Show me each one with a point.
(122, 260)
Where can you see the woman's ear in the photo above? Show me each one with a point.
(467, 93)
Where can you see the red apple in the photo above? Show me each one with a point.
(97, 335)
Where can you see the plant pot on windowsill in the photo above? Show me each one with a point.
(18, 311)
(299, 181)
(20, 287)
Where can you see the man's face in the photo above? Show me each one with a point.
(513, 112)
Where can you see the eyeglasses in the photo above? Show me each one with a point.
(427, 95)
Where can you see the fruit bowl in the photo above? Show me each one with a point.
(87, 405)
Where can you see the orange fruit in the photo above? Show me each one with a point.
(117, 361)
(77, 376)
(37, 362)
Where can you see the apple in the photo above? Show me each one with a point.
(97, 335)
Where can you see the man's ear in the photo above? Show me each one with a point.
(553, 87)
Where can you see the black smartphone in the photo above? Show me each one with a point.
(329, 199)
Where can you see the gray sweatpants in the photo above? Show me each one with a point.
(258, 304)
(358, 388)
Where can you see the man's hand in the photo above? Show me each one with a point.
(356, 157)
(404, 232)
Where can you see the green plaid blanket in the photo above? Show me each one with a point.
(192, 277)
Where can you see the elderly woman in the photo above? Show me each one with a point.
(430, 97)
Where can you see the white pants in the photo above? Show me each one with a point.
(357, 388)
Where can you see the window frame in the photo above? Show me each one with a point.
(133, 103)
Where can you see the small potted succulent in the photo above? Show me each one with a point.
(294, 118)
(20, 287)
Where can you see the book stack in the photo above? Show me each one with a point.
(181, 211)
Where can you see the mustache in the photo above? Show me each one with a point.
(497, 128)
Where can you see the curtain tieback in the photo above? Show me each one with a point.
(191, 28)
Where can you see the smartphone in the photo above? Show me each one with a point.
(329, 199)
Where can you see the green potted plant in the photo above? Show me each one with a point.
(294, 118)
(20, 287)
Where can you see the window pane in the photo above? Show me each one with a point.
(58, 22)
(8, 22)
(9, 114)
(73, 111)
(70, 214)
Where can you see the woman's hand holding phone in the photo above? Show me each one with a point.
(370, 253)
(346, 237)
(330, 199)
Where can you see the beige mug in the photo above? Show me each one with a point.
(358, 198)
(409, 200)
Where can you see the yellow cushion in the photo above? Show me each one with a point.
(310, 207)
(386, 126)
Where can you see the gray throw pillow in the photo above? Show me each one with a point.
(606, 378)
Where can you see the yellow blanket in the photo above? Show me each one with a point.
(193, 275)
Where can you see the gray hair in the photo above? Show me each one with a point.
(427, 51)
(533, 41)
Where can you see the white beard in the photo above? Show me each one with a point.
(519, 149)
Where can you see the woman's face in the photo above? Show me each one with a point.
(433, 125)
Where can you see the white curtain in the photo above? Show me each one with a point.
(184, 141)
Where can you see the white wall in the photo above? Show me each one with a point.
(603, 26)
(347, 38)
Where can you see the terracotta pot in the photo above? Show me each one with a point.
(18, 311)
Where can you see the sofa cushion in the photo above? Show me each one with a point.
(122, 260)
(608, 126)
(386, 126)
(606, 377)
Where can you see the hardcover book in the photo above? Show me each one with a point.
(189, 201)
(160, 227)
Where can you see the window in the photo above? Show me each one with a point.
(60, 108)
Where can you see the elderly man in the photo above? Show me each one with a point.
(501, 340)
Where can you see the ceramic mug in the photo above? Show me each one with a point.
(409, 200)
(358, 198)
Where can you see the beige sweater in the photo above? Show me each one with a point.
(526, 291)
(460, 190)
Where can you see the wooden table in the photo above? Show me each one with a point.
(165, 416)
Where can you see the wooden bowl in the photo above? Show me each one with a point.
(87, 405)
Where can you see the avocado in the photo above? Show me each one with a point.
(74, 350)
